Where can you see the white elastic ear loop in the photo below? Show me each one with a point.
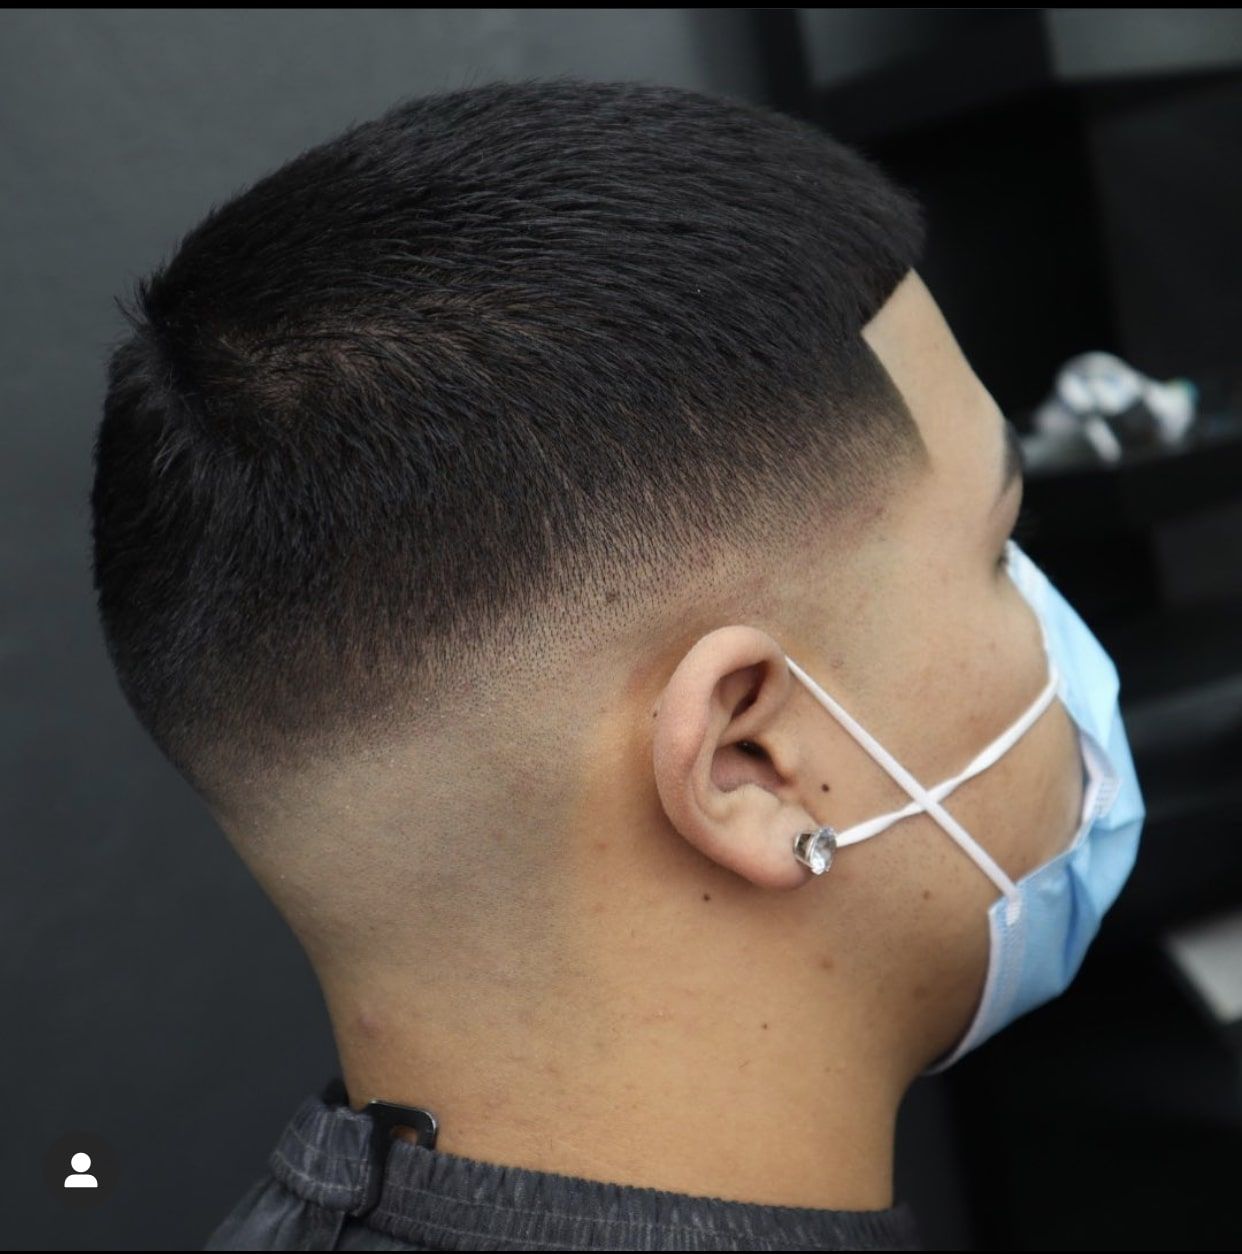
(996, 750)
(916, 790)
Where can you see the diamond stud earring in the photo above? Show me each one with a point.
(815, 848)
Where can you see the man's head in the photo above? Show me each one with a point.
(459, 493)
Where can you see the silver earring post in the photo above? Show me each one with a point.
(815, 848)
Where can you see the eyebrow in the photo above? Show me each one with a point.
(1014, 463)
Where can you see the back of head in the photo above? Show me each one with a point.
(504, 380)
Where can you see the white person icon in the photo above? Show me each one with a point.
(95, 1168)
(81, 1179)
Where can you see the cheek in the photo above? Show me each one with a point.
(1032, 798)
(993, 665)
(1010, 631)
(953, 658)
(1060, 784)
(1033, 803)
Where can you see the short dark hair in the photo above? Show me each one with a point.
(475, 364)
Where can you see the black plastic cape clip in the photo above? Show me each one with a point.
(385, 1117)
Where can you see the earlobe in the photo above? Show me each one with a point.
(735, 808)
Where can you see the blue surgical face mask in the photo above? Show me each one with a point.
(1041, 926)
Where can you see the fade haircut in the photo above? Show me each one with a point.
(473, 378)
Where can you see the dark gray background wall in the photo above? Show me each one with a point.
(152, 996)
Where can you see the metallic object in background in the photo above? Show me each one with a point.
(1100, 407)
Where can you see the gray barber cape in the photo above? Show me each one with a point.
(322, 1178)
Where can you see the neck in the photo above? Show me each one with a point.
(683, 1094)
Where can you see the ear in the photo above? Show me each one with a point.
(741, 809)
